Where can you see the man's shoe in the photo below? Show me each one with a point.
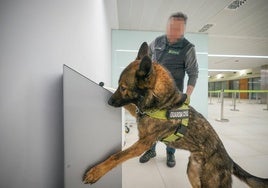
(171, 162)
(147, 156)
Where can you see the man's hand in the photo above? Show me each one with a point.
(189, 90)
(187, 101)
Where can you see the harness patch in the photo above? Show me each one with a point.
(178, 114)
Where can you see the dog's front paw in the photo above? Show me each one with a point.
(92, 175)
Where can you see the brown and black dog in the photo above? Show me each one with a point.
(147, 86)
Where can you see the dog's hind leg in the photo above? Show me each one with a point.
(95, 173)
(194, 171)
(216, 172)
(207, 175)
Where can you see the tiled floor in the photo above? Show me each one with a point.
(245, 137)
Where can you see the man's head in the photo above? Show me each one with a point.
(176, 27)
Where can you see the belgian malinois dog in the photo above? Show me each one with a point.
(146, 86)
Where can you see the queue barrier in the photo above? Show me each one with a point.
(234, 96)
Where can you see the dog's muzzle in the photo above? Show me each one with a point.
(111, 101)
(115, 103)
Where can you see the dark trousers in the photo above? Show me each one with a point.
(169, 149)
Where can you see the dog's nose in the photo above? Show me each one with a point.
(111, 101)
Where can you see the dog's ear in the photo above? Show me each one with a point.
(145, 68)
(143, 51)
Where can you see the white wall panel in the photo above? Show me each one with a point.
(92, 130)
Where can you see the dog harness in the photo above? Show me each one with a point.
(180, 113)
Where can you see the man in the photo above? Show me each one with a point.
(177, 54)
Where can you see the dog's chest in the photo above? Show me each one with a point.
(155, 127)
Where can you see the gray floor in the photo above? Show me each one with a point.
(245, 137)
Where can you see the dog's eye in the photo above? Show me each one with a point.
(122, 89)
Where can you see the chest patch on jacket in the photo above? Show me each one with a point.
(174, 52)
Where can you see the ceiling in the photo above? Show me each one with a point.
(242, 31)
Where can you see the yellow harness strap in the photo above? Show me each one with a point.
(158, 114)
(176, 114)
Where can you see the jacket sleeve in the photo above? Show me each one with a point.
(191, 66)
(151, 49)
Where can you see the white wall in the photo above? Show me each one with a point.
(36, 39)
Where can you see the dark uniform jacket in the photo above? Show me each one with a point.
(179, 58)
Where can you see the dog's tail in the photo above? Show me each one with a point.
(250, 180)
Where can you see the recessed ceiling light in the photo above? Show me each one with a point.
(234, 5)
(205, 28)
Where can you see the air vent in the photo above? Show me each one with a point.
(205, 28)
(236, 4)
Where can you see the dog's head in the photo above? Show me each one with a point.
(144, 83)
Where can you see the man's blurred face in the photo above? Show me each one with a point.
(175, 29)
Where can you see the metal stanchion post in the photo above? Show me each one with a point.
(221, 119)
(232, 99)
(266, 102)
(250, 96)
(234, 109)
(210, 97)
(219, 97)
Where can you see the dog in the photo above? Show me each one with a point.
(146, 87)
